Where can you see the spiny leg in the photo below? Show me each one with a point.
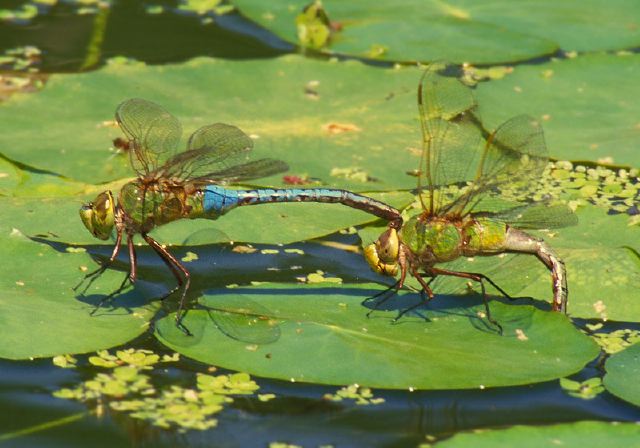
(478, 278)
(130, 278)
(176, 268)
(170, 265)
(426, 289)
(92, 276)
(491, 282)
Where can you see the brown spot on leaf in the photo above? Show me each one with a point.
(339, 128)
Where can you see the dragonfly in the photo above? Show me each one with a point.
(468, 180)
(189, 184)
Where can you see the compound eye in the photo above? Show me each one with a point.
(104, 203)
(388, 245)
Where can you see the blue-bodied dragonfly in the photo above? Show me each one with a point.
(189, 184)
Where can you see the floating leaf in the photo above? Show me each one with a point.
(327, 338)
(568, 435)
(493, 31)
(623, 370)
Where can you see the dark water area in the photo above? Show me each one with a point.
(65, 37)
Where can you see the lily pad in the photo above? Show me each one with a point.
(496, 31)
(567, 435)
(586, 105)
(326, 337)
(41, 314)
(623, 370)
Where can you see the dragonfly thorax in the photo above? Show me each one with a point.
(433, 239)
(150, 205)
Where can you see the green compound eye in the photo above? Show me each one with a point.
(383, 255)
(99, 216)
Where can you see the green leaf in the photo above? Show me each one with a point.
(325, 337)
(463, 30)
(586, 104)
(42, 316)
(623, 371)
(585, 390)
(567, 435)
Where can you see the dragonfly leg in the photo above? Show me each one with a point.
(488, 279)
(92, 276)
(480, 279)
(130, 278)
(426, 290)
(176, 268)
(133, 259)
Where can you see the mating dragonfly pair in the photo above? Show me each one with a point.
(456, 151)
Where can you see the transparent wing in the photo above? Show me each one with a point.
(513, 158)
(451, 134)
(153, 133)
(247, 171)
(218, 153)
(458, 150)
(537, 216)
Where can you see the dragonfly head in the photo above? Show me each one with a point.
(382, 256)
(99, 216)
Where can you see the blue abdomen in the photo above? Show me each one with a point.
(218, 200)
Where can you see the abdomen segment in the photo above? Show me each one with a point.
(218, 200)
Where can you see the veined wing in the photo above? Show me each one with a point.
(153, 133)
(451, 134)
(536, 216)
(219, 153)
(513, 158)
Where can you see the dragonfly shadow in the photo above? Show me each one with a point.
(219, 265)
(123, 303)
(469, 306)
(237, 317)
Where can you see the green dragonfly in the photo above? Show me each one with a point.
(190, 184)
(467, 180)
